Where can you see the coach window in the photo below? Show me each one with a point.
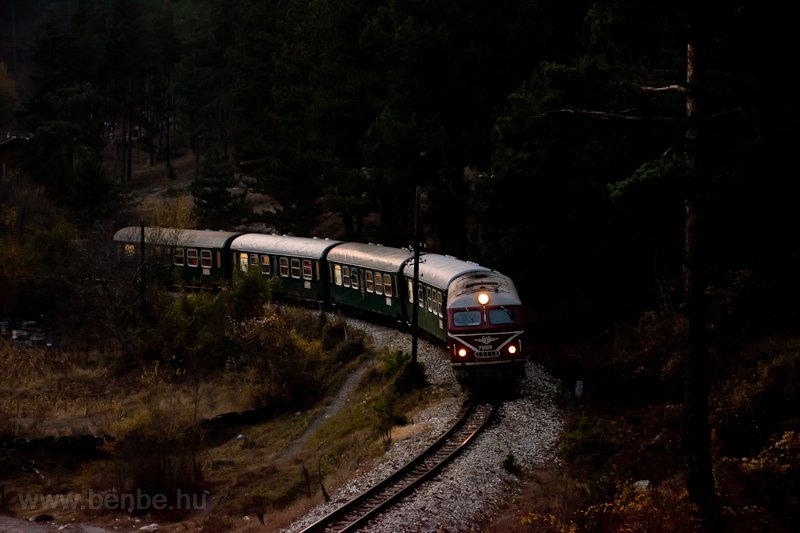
(296, 268)
(178, 257)
(354, 278)
(387, 285)
(284, 267)
(421, 297)
(130, 249)
(439, 301)
(205, 259)
(337, 274)
(243, 261)
(265, 267)
(346, 276)
(410, 291)
(378, 283)
(370, 285)
(191, 257)
(307, 271)
(428, 304)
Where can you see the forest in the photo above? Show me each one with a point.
(626, 163)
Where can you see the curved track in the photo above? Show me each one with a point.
(357, 512)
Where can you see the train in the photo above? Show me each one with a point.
(474, 311)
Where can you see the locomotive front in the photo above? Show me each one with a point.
(485, 329)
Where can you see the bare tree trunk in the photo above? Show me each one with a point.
(699, 475)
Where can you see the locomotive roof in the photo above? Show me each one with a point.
(306, 247)
(373, 256)
(176, 236)
(440, 270)
(464, 289)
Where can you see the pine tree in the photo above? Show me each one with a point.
(213, 199)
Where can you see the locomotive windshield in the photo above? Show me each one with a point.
(501, 316)
(467, 318)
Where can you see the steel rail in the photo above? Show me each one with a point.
(354, 514)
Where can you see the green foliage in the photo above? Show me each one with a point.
(762, 489)
(92, 195)
(646, 361)
(248, 294)
(213, 199)
(587, 443)
(511, 465)
(665, 174)
(757, 401)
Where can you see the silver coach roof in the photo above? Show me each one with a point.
(372, 256)
(175, 236)
(306, 247)
(440, 270)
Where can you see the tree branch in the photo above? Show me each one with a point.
(666, 88)
(609, 115)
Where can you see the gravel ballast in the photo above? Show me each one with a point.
(468, 490)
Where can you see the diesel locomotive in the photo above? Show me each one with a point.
(473, 310)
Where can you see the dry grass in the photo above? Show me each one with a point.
(47, 393)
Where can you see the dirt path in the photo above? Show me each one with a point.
(335, 406)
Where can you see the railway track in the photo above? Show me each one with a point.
(355, 514)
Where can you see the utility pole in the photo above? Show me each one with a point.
(415, 285)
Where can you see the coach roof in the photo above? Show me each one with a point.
(440, 270)
(372, 256)
(306, 247)
(192, 238)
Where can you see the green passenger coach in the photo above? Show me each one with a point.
(196, 258)
(366, 276)
(297, 261)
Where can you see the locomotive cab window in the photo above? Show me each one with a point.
(296, 268)
(501, 316)
(284, 267)
(378, 283)
(307, 271)
(243, 261)
(265, 269)
(466, 318)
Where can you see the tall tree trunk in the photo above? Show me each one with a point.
(699, 475)
(129, 144)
